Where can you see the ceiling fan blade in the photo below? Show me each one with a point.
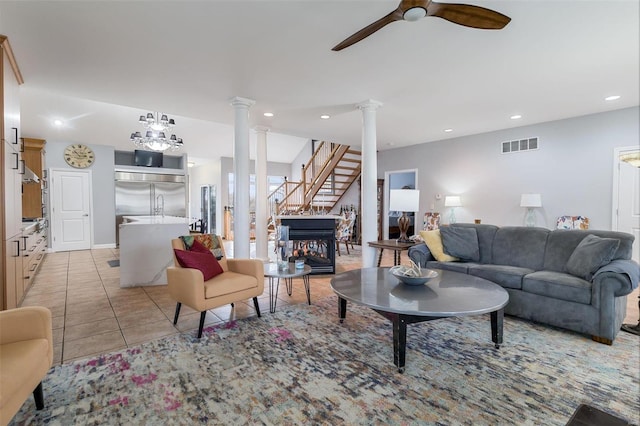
(396, 15)
(468, 15)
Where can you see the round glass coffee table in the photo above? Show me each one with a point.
(274, 274)
(450, 294)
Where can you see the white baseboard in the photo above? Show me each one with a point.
(103, 246)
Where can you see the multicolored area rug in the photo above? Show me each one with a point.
(301, 366)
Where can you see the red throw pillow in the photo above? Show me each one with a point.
(204, 262)
(198, 247)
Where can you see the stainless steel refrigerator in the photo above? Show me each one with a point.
(146, 194)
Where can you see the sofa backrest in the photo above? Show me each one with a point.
(562, 243)
(486, 234)
(520, 246)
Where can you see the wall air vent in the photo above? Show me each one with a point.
(519, 145)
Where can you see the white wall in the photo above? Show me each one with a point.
(302, 158)
(572, 169)
(103, 187)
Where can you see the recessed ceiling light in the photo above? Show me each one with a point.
(448, 130)
(612, 98)
(515, 117)
(268, 114)
(190, 164)
(57, 122)
(325, 117)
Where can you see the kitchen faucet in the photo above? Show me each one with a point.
(160, 207)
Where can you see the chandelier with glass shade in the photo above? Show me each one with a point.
(155, 138)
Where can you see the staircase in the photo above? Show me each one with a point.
(325, 178)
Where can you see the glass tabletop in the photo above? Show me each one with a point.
(449, 294)
(271, 270)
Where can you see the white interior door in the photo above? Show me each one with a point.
(627, 214)
(71, 210)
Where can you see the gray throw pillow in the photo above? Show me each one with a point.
(590, 255)
(461, 242)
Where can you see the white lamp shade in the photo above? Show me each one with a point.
(530, 200)
(404, 200)
(452, 201)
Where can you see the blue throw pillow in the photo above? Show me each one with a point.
(461, 242)
(590, 255)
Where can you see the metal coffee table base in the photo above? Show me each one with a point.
(274, 285)
(400, 322)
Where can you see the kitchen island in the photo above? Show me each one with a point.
(145, 248)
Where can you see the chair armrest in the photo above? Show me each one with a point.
(27, 323)
(253, 267)
(186, 285)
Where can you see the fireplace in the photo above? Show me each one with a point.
(314, 241)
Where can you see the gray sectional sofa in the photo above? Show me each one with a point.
(554, 277)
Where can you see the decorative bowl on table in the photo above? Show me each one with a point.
(413, 277)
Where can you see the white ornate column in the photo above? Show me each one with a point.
(262, 207)
(368, 213)
(241, 165)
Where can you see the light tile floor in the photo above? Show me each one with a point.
(93, 315)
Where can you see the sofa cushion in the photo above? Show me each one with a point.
(504, 275)
(558, 285)
(433, 240)
(461, 243)
(198, 247)
(591, 254)
(486, 234)
(462, 267)
(204, 262)
(520, 246)
(228, 283)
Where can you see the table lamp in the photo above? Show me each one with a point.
(452, 201)
(530, 201)
(404, 200)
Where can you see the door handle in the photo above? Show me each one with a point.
(15, 133)
(17, 161)
(24, 167)
(85, 215)
(25, 243)
(17, 245)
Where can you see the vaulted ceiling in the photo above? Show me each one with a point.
(98, 65)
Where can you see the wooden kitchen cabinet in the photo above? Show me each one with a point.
(12, 168)
(34, 247)
(33, 156)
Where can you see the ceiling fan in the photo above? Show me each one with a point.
(412, 10)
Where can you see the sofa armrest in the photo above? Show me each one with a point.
(186, 285)
(625, 272)
(420, 254)
(27, 323)
(253, 267)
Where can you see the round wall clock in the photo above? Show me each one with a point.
(79, 156)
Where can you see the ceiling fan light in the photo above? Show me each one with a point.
(414, 14)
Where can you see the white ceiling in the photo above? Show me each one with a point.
(98, 65)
